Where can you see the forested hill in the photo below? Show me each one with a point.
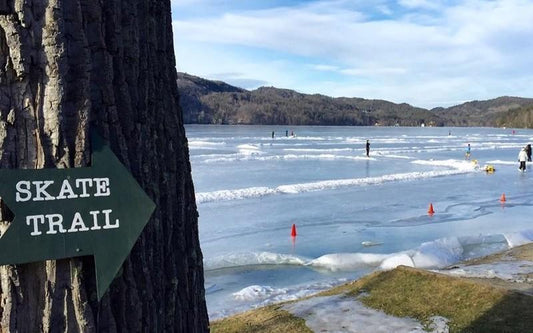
(215, 102)
(493, 112)
(192, 89)
(521, 118)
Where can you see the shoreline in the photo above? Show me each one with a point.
(400, 295)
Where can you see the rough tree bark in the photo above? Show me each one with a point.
(66, 66)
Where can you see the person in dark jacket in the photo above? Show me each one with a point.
(367, 148)
(528, 152)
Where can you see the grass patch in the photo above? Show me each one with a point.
(267, 319)
(470, 306)
(409, 292)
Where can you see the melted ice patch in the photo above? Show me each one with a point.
(514, 271)
(346, 314)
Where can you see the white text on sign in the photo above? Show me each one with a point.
(51, 224)
(99, 186)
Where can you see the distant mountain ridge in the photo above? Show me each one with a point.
(216, 102)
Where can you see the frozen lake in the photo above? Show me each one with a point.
(353, 214)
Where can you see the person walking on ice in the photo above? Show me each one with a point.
(467, 153)
(367, 148)
(522, 158)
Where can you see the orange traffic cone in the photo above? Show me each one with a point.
(430, 210)
(502, 198)
(293, 230)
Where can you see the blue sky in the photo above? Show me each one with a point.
(426, 53)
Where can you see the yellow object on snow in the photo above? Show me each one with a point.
(489, 168)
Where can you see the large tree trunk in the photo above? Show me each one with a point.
(70, 65)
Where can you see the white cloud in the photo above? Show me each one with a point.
(426, 4)
(325, 68)
(373, 71)
(384, 9)
(473, 50)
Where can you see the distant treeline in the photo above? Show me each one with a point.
(521, 118)
(215, 102)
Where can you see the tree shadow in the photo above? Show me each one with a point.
(513, 314)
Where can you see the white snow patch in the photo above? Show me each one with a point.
(519, 238)
(397, 260)
(346, 314)
(255, 292)
(514, 271)
(439, 253)
(455, 164)
(370, 243)
(439, 324)
(347, 261)
(502, 162)
(249, 150)
(205, 145)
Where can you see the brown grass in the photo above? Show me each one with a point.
(267, 319)
(470, 306)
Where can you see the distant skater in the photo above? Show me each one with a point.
(367, 148)
(272, 134)
(528, 151)
(467, 153)
(287, 133)
(522, 157)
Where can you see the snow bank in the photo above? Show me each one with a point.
(347, 261)
(202, 144)
(256, 192)
(519, 238)
(428, 255)
(258, 155)
(438, 253)
(249, 150)
(253, 258)
(258, 293)
(397, 260)
(455, 164)
(318, 150)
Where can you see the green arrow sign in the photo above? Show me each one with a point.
(65, 213)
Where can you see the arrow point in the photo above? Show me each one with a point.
(106, 269)
(108, 260)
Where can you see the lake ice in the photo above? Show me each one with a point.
(353, 214)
